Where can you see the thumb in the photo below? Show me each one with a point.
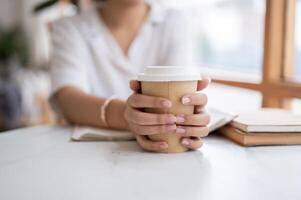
(135, 85)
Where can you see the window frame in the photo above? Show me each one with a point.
(276, 85)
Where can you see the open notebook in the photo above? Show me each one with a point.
(81, 133)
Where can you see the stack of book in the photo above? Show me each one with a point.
(264, 127)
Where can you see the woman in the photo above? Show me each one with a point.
(97, 53)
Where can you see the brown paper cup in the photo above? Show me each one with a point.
(174, 91)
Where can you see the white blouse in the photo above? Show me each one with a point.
(86, 55)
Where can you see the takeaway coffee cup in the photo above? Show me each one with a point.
(172, 83)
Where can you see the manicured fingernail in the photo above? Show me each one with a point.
(180, 130)
(186, 100)
(171, 120)
(163, 145)
(186, 142)
(171, 128)
(180, 119)
(165, 103)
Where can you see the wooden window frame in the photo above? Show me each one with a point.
(276, 85)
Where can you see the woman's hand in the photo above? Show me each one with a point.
(190, 127)
(194, 127)
(144, 124)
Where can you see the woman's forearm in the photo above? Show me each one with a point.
(81, 108)
(115, 114)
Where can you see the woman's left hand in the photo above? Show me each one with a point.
(193, 127)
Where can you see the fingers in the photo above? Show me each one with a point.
(202, 84)
(197, 99)
(135, 85)
(185, 131)
(150, 145)
(152, 130)
(202, 119)
(192, 143)
(192, 131)
(144, 101)
(142, 118)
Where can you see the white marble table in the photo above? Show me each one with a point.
(42, 163)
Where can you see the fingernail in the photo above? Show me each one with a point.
(163, 146)
(171, 128)
(180, 119)
(186, 142)
(180, 130)
(186, 100)
(171, 120)
(165, 103)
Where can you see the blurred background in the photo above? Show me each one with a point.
(229, 42)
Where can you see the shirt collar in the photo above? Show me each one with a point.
(156, 13)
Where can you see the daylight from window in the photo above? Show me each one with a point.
(228, 34)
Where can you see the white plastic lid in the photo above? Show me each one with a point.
(170, 73)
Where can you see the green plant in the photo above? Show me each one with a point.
(13, 46)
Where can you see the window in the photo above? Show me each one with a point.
(296, 106)
(228, 33)
(260, 37)
(234, 100)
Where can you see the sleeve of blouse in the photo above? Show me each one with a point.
(68, 60)
(68, 66)
(180, 47)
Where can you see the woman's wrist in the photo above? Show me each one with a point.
(115, 114)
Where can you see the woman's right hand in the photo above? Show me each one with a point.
(143, 124)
